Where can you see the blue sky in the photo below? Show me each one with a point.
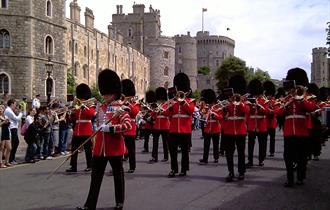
(274, 35)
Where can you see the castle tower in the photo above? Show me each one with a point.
(89, 18)
(186, 57)
(320, 67)
(34, 31)
(211, 51)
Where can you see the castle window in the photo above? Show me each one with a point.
(85, 51)
(129, 32)
(76, 48)
(4, 39)
(70, 46)
(4, 83)
(85, 69)
(208, 81)
(217, 63)
(49, 45)
(49, 8)
(4, 4)
(179, 49)
(165, 54)
(166, 71)
(92, 54)
(76, 68)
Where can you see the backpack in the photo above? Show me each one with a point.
(24, 129)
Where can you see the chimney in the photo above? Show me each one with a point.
(75, 11)
(118, 9)
(121, 9)
(89, 18)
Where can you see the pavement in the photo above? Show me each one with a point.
(25, 187)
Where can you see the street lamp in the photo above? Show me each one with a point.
(49, 82)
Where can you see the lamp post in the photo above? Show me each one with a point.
(49, 82)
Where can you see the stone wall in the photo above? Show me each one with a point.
(320, 67)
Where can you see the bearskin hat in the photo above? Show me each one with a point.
(128, 88)
(150, 96)
(312, 88)
(280, 92)
(161, 94)
(324, 93)
(209, 96)
(269, 88)
(238, 83)
(255, 87)
(109, 83)
(83, 91)
(181, 82)
(298, 75)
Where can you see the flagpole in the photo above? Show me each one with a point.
(203, 20)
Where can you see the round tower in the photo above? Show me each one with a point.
(162, 61)
(186, 57)
(320, 67)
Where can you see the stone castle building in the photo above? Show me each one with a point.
(33, 31)
(320, 67)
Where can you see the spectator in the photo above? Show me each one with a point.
(14, 120)
(5, 146)
(31, 136)
(64, 127)
(36, 102)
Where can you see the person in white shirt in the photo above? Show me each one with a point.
(14, 121)
(36, 102)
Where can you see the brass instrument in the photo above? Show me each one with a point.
(237, 99)
(180, 95)
(299, 92)
(128, 99)
(77, 103)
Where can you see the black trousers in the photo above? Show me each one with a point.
(182, 140)
(14, 144)
(222, 142)
(76, 142)
(156, 135)
(99, 165)
(230, 142)
(262, 140)
(295, 152)
(271, 133)
(147, 133)
(315, 142)
(207, 141)
(130, 145)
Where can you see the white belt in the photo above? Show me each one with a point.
(295, 116)
(257, 116)
(180, 116)
(212, 121)
(83, 121)
(161, 116)
(235, 118)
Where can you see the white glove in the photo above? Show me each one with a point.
(103, 127)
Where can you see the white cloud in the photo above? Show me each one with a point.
(271, 35)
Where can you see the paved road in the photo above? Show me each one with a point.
(25, 187)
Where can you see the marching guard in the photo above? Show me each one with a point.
(257, 122)
(112, 122)
(82, 119)
(180, 112)
(148, 119)
(234, 127)
(128, 88)
(161, 125)
(212, 115)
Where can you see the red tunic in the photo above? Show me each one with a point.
(83, 121)
(257, 118)
(273, 109)
(134, 110)
(295, 123)
(234, 119)
(107, 144)
(161, 121)
(181, 115)
(213, 119)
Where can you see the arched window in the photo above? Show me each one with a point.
(4, 83)
(70, 46)
(4, 4)
(49, 45)
(85, 51)
(76, 48)
(76, 68)
(129, 32)
(49, 8)
(4, 39)
(166, 71)
(92, 55)
(85, 69)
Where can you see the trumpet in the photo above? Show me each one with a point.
(128, 99)
(299, 92)
(181, 96)
(77, 103)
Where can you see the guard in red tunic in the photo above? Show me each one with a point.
(109, 143)
(295, 130)
(212, 116)
(148, 119)
(82, 119)
(269, 89)
(180, 112)
(134, 108)
(161, 125)
(234, 127)
(257, 122)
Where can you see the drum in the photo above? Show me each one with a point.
(325, 116)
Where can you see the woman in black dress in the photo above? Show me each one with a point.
(5, 145)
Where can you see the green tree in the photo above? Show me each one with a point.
(205, 70)
(196, 94)
(230, 66)
(70, 82)
(261, 75)
(96, 93)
